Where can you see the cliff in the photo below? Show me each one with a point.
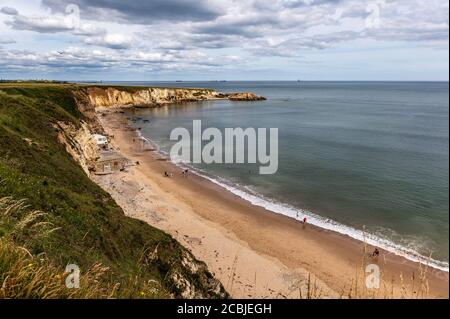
(46, 142)
(144, 97)
(79, 143)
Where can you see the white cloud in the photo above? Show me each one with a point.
(113, 41)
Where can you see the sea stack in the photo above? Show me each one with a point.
(247, 96)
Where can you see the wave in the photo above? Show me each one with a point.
(274, 206)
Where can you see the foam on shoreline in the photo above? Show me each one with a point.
(314, 219)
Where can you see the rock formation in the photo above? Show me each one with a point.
(98, 97)
(247, 96)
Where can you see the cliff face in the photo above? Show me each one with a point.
(95, 97)
(110, 97)
(79, 143)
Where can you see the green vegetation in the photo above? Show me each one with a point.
(90, 230)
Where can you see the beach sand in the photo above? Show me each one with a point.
(255, 253)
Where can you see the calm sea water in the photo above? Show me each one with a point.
(351, 155)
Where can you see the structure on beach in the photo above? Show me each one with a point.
(109, 162)
(100, 140)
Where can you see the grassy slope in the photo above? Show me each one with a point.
(33, 165)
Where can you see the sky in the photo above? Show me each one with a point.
(167, 40)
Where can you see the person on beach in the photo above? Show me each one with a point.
(305, 220)
(375, 253)
(166, 174)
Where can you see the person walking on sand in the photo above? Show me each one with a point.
(375, 253)
(305, 220)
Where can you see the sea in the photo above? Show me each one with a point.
(365, 159)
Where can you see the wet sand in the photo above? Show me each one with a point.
(254, 252)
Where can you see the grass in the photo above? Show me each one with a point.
(24, 275)
(93, 230)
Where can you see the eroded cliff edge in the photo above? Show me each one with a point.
(150, 97)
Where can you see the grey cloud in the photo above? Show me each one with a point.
(245, 25)
(293, 47)
(141, 12)
(7, 41)
(411, 34)
(214, 41)
(53, 24)
(9, 11)
(308, 3)
(39, 24)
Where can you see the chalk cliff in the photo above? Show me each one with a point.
(145, 97)
(79, 143)
(106, 97)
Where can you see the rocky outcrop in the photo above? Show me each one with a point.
(247, 96)
(107, 97)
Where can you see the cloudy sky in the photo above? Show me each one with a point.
(225, 39)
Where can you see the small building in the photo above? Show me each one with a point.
(100, 140)
(110, 162)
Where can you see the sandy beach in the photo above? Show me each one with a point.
(255, 253)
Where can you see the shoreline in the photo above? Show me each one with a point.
(336, 261)
(315, 220)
